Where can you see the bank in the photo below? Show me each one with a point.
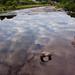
(3, 8)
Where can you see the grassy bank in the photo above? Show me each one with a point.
(10, 8)
(30, 6)
(8, 5)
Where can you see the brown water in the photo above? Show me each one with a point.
(23, 38)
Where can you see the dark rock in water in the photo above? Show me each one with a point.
(45, 57)
(7, 15)
(2, 17)
(72, 14)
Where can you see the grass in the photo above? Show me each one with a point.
(30, 6)
(10, 8)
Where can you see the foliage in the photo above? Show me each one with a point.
(13, 4)
(68, 5)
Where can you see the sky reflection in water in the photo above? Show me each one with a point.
(35, 28)
(24, 37)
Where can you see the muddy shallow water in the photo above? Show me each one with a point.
(24, 37)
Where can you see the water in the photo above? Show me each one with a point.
(35, 32)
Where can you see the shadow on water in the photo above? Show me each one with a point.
(7, 15)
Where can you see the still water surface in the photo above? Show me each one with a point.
(53, 31)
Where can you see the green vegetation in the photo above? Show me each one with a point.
(30, 6)
(6, 5)
(68, 5)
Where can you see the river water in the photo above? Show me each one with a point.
(32, 31)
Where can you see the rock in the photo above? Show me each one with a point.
(45, 57)
(72, 14)
(7, 15)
